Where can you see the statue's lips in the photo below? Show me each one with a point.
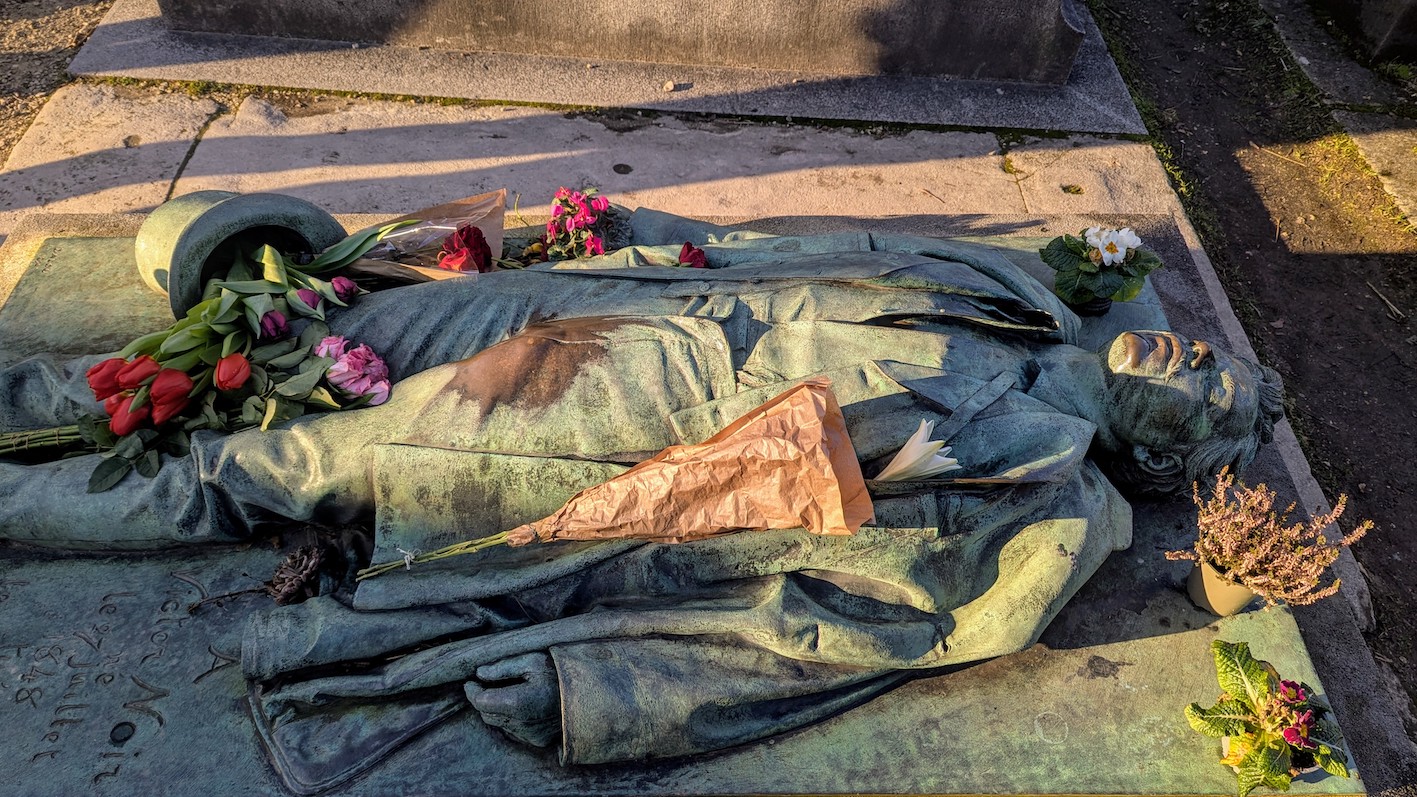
(1157, 352)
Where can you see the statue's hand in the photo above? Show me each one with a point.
(520, 696)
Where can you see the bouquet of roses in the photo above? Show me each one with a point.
(255, 351)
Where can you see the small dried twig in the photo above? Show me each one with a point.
(1277, 155)
(1392, 311)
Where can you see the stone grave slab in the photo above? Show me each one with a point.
(113, 686)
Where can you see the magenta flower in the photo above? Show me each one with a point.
(360, 372)
(557, 211)
(1292, 693)
(692, 256)
(311, 299)
(274, 325)
(600, 204)
(345, 289)
(1297, 735)
(333, 347)
(563, 192)
(594, 246)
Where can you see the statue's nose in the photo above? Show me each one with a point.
(1203, 353)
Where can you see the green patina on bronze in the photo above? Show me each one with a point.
(663, 651)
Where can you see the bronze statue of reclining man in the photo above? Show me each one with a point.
(518, 388)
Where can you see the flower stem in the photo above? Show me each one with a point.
(37, 439)
(456, 549)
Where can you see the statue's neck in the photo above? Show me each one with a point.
(1072, 380)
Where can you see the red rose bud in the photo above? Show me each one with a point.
(470, 240)
(461, 260)
(232, 371)
(103, 378)
(132, 375)
(345, 289)
(169, 394)
(310, 298)
(692, 256)
(125, 420)
(274, 325)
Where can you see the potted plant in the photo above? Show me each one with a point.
(1244, 548)
(1098, 266)
(1275, 728)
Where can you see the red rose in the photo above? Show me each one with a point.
(126, 420)
(132, 375)
(169, 394)
(232, 371)
(692, 256)
(468, 248)
(103, 378)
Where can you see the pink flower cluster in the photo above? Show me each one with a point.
(572, 230)
(357, 371)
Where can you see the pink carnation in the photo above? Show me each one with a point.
(360, 372)
(333, 347)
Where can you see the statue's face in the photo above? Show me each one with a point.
(1170, 389)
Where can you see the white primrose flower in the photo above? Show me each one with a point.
(1094, 237)
(1112, 245)
(919, 458)
(1128, 238)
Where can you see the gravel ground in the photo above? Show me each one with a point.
(38, 38)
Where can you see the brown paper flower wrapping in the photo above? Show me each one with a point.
(786, 464)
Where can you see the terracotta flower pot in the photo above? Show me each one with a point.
(1214, 594)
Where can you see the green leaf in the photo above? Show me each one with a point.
(323, 398)
(184, 362)
(1241, 675)
(260, 380)
(1058, 256)
(140, 398)
(1131, 289)
(210, 355)
(176, 444)
(325, 289)
(269, 417)
(1333, 762)
(253, 409)
(314, 333)
(253, 287)
(203, 383)
(321, 364)
(1105, 283)
(1086, 266)
(1265, 765)
(351, 248)
(147, 344)
(300, 308)
(300, 385)
(234, 341)
(290, 359)
(108, 473)
(264, 354)
(185, 340)
(240, 269)
(1226, 718)
(273, 265)
(1068, 284)
(149, 463)
(1144, 262)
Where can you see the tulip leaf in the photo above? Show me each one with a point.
(140, 398)
(203, 383)
(108, 473)
(240, 270)
(273, 265)
(147, 344)
(148, 464)
(233, 341)
(300, 385)
(253, 287)
(184, 362)
(351, 248)
(210, 354)
(181, 341)
(326, 290)
(253, 319)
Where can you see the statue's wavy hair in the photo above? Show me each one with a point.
(1151, 472)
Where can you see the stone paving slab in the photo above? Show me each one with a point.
(133, 42)
(375, 156)
(97, 148)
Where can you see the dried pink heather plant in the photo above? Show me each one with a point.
(1247, 543)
